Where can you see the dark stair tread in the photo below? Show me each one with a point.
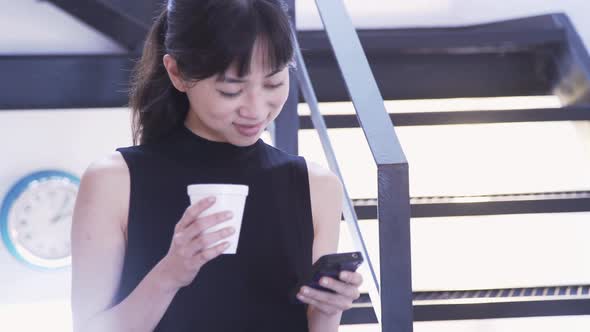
(443, 206)
(497, 295)
(569, 113)
(487, 303)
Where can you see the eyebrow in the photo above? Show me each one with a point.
(225, 79)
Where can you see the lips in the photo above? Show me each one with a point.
(249, 130)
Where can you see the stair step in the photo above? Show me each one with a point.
(478, 159)
(513, 34)
(487, 303)
(517, 57)
(119, 24)
(570, 113)
(575, 201)
(488, 252)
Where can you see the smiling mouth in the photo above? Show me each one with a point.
(249, 130)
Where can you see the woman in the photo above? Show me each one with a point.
(212, 76)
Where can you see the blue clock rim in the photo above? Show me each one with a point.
(13, 193)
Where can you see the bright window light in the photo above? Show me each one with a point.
(467, 160)
(448, 104)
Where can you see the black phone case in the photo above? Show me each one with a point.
(329, 266)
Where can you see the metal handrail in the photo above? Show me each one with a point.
(392, 299)
(363, 90)
(348, 211)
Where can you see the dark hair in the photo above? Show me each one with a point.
(205, 37)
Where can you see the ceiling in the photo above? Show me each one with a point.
(38, 27)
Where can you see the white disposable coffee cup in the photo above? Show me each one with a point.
(229, 197)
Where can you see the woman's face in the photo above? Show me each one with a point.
(227, 108)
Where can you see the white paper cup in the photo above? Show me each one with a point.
(229, 197)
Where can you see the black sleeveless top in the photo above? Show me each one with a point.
(248, 291)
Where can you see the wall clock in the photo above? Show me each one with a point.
(36, 218)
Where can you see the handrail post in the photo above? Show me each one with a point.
(394, 247)
(286, 125)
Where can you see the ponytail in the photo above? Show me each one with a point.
(156, 106)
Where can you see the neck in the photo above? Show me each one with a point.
(194, 124)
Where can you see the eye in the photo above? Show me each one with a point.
(273, 86)
(229, 94)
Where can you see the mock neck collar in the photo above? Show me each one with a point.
(185, 144)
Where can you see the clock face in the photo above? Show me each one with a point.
(37, 218)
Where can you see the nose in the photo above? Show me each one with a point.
(253, 109)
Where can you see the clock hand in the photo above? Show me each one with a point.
(55, 219)
(65, 202)
(60, 216)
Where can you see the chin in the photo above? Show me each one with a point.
(244, 141)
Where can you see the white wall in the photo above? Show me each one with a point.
(67, 140)
(56, 139)
(31, 140)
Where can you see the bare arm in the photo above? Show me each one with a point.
(325, 309)
(98, 249)
(326, 198)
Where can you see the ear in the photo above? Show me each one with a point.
(174, 73)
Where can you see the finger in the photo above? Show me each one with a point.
(323, 307)
(353, 278)
(336, 300)
(344, 289)
(204, 241)
(208, 254)
(202, 224)
(194, 211)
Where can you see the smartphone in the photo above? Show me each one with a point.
(329, 266)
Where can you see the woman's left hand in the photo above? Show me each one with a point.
(346, 291)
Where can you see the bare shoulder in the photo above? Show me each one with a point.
(326, 193)
(111, 171)
(323, 179)
(111, 165)
(106, 184)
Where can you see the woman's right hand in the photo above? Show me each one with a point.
(189, 248)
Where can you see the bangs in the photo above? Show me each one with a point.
(259, 23)
(227, 35)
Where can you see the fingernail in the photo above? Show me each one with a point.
(229, 214)
(344, 275)
(325, 282)
(299, 296)
(305, 290)
(231, 230)
(210, 199)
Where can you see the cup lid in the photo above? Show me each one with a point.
(217, 189)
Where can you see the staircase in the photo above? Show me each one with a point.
(536, 56)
